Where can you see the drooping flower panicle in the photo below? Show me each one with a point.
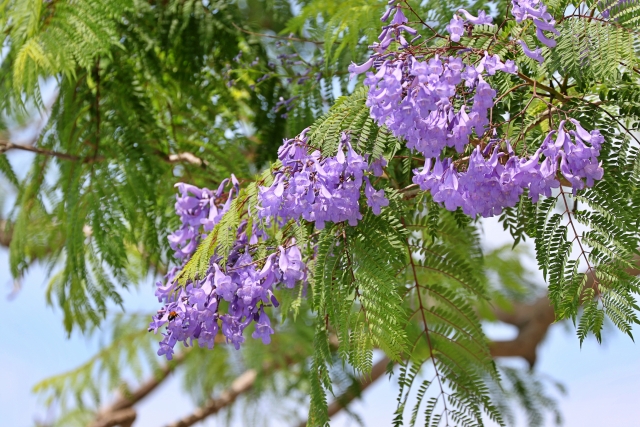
(315, 188)
(244, 285)
(415, 96)
(496, 179)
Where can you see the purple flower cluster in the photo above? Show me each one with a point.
(543, 21)
(415, 98)
(432, 101)
(198, 208)
(316, 188)
(578, 160)
(456, 27)
(494, 179)
(227, 297)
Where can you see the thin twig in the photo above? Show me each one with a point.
(537, 84)
(6, 146)
(270, 36)
(583, 253)
(240, 385)
(426, 327)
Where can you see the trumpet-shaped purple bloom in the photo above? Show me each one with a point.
(316, 188)
(263, 328)
(291, 266)
(544, 39)
(192, 312)
(536, 54)
(481, 19)
(378, 165)
(456, 28)
(355, 69)
(496, 179)
(225, 287)
(536, 11)
(375, 199)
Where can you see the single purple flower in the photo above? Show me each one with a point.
(482, 18)
(377, 166)
(263, 328)
(544, 39)
(375, 199)
(291, 266)
(355, 69)
(535, 54)
(224, 285)
(455, 28)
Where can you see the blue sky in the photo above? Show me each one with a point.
(603, 381)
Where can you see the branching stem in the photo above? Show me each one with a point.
(583, 253)
(426, 327)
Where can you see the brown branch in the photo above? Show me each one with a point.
(242, 384)
(122, 418)
(560, 97)
(170, 158)
(533, 322)
(121, 411)
(377, 371)
(186, 157)
(148, 386)
(6, 233)
(6, 146)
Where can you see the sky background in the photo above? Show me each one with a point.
(603, 381)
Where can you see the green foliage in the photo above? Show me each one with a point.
(626, 14)
(343, 26)
(530, 391)
(51, 38)
(593, 269)
(127, 118)
(150, 93)
(443, 274)
(587, 49)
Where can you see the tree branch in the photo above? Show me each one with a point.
(121, 413)
(186, 157)
(242, 384)
(122, 418)
(5, 233)
(536, 84)
(170, 158)
(533, 322)
(7, 145)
